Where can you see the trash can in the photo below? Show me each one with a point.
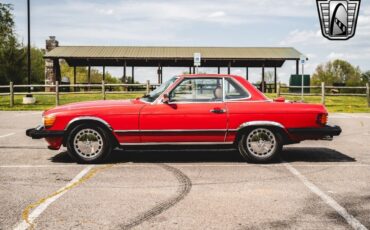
(65, 81)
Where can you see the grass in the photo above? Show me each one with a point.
(339, 104)
(48, 101)
(346, 104)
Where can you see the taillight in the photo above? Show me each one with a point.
(322, 119)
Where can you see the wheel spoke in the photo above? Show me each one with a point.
(261, 142)
(88, 143)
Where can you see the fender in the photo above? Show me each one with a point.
(88, 118)
(261, 123)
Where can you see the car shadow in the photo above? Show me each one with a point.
(305, 154)
(289, 154)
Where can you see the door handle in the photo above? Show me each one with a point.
(218, 111)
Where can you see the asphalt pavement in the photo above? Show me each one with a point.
(315, 185)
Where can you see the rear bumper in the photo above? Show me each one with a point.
(40, 132)
(320, 133)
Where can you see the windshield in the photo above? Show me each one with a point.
(152, 96)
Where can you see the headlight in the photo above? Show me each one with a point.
(48, 120)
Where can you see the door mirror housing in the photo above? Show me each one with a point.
(165, 99)
(279, 99)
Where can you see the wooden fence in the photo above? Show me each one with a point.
(147, 87)
(322, 91)
(56, 89)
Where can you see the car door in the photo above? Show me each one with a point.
(195, 114)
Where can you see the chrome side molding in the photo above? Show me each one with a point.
(170, 130)
(176, 143)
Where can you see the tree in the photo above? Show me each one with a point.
(337, 71)
(11, 53)
(269, 77)
(366, 77)
(37, 66)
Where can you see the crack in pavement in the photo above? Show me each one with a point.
(183, 190)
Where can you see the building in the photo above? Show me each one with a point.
(161, 57)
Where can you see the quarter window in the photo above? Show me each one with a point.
(198, 90)
(234, 90)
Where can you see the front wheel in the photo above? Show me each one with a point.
(89, 144)
(260, 144)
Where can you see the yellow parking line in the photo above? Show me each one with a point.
(89, 175)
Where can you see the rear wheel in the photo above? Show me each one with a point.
(89, 144)
(260, 144)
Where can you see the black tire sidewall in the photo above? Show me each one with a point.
(249, 157)
(107, 144)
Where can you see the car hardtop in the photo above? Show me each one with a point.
(208, 76)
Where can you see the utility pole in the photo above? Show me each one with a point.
(29, 45)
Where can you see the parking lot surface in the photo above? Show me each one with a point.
(315, 185)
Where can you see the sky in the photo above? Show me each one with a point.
(249, 23)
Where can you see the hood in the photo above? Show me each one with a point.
(93, 106)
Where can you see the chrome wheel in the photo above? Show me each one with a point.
(261, 143)
(88, 143)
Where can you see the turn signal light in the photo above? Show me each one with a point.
(49, 121)
(322, 119)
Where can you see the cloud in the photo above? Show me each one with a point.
(217, 14)
(302, 37)
(106, 11)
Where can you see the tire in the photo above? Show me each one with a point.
(260, 144)
(89, 144)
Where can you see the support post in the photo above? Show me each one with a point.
(103, 89)
(193, 69)
(74, 77)
(263, 80)
(56, 93)
(218, 70)
(11, 91)
(133, 74)
(278, 90)
(297, 67)
(56, 69)
(189, 69)
(147, 86)
(124, 73)
(89, 77)
(275, 79)
(103, 73)
(323, 93)
(247, 73)
(159, 73)
(229, 68)
(368, 94)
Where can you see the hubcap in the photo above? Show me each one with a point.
(261, 143)
(88, 143)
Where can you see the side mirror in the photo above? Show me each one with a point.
(279, 99)
(165, 99)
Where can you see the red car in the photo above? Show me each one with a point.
(212, 110)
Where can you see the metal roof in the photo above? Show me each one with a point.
(173, 56)
(139, 52)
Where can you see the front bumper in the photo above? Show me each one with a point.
(40, 132)
(322, 132)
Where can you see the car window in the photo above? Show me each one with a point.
(234, 91)
(152, 96)
(198, 90)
